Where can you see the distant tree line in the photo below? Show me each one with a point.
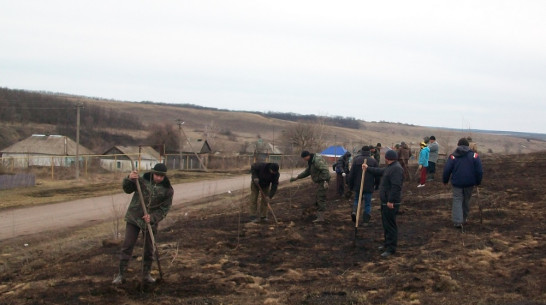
(339, 121)
(27, 107)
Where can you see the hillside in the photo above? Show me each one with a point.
(106, 122)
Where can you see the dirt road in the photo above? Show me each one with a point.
(25, 221)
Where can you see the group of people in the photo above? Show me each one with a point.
(463, 167)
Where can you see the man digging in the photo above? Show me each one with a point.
(158, 196)
(264, 176)
(320, 174)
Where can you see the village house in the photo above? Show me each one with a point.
(119, 158)
(43, 150)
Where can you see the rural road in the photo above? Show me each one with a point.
(31, 220)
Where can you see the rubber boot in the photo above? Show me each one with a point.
(146, 273)
(320, 217)
(120, 278)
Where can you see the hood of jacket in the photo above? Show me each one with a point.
(461, 151)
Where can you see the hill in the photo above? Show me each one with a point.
(107, 122)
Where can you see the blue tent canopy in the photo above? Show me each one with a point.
(334, 151)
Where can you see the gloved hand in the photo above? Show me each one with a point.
(420, 167)
(344, 174)
(293, 179)
(325, 185)
(256, 180)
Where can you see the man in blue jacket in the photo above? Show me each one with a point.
(465, 169)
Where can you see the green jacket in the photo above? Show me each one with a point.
(317, 168)
(157, 197)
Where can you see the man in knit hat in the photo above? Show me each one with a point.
(390, 193)
(319, 171)
(464, 167)
(158, 196)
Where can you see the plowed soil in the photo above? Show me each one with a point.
(215, 256)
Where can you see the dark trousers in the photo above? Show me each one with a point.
(340, 184)
(388, 218)
(131, 236)
(431, 167)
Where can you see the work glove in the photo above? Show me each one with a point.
(325, 185)
(344, 174)
(293, 179)
(256, 180)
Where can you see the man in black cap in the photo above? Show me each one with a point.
(158, 196)
(390, 193)
(319, 171)
(264, 175)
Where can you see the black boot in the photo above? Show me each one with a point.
(120, 278)
(146, 272)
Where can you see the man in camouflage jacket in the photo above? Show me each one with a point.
(319, 171)
(158, 196)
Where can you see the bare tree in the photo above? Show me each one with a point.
(163, 134)
(303, 136)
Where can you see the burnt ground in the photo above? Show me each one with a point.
(210, 257)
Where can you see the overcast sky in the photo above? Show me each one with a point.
(460, 64)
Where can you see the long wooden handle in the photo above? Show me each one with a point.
(265, 199)
(143, 205)
(360, 195)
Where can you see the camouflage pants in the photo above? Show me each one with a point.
(321, 197)
(259, 210)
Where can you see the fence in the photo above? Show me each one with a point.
(17, 180)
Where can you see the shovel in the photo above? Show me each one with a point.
(264, 198)
(359, 207)
(149, 227)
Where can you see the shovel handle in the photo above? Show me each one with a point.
(359, 208)
(267, 201)
(148, 225)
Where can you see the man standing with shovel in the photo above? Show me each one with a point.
(157, 192)
(390, 193)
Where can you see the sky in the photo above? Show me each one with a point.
(457, 64)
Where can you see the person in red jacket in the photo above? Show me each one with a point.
(464, 167)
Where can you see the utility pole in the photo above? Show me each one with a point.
(78, 108)
(180, 123)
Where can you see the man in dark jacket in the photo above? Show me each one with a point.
(158, 197)
(465, 169)
(390, 193)
(341, 167)
(371, 182)
(266, 175)
(319, 171)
